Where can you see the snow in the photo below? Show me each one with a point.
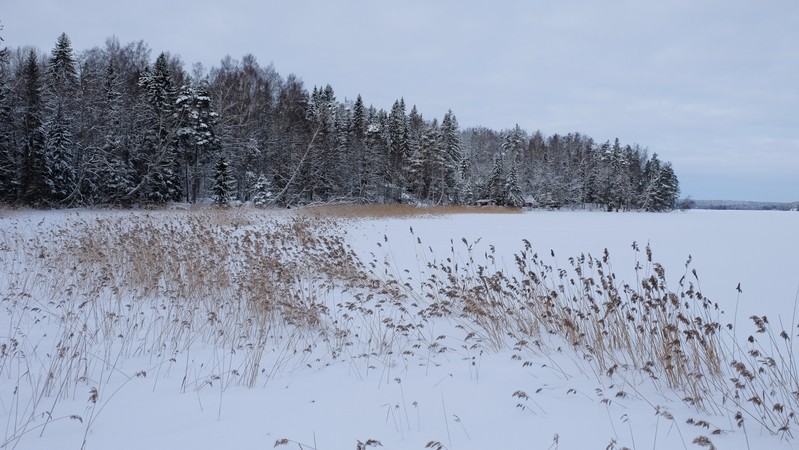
(754, 248)
(431, 387)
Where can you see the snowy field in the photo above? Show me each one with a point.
(209, 329)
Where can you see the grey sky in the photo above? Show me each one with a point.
(712, 86)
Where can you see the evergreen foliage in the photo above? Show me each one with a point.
(262, 194)
(107, 126)
(195, 136)
(34, 173)
(8, 163)
(224, 184)
(513, 193)
(59, 158)
(495, 189)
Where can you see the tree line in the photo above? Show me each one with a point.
(111, 127)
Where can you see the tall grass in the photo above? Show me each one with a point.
(356, 211)
(674, 339)
(234, 297)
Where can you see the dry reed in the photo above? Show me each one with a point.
(273, 292)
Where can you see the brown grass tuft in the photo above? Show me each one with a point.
(393, 211)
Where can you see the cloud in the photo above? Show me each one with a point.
(709, 85)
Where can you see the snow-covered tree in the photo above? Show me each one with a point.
(376, 165)
(429, 166)
(60, 155)
(196, 136)
(514, 143)
(115, 177)
(74, 134)
(262, 194)
(513, 193)
(155, 163)
(356, 149)
(452, 154)
(399, 150)
(495, 186)
(324, 165)
(61, 72)
(669, 188)
(224, 184)
(34, 173)
(8, 176)
(661, 187)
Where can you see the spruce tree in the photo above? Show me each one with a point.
(324, 162)
(8, 166)
(376, 157)
(196, 136)
(60, 157)
(115, 177)
(429, 166)
(513, 194)
(62, 79)
(157, 175)
(398, 146)
(452, 154)
(669, 188)
(495, 187)
(224, 184)
(513, 144)
(343, 163)
(63, 156)
(34, 174)
(356, 136)
(262, 194)
(661, 187)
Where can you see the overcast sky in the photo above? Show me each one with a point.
(712, 86)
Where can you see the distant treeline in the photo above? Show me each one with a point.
(109, 126)
(743, 205)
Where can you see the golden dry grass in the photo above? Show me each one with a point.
(354, 211)
(158, 282)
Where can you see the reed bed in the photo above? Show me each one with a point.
(357, 211)
(234, 297)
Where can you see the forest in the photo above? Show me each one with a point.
(109, 126)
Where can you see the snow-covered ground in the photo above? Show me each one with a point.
(134, 366)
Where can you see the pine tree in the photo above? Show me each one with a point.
(224, 184)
